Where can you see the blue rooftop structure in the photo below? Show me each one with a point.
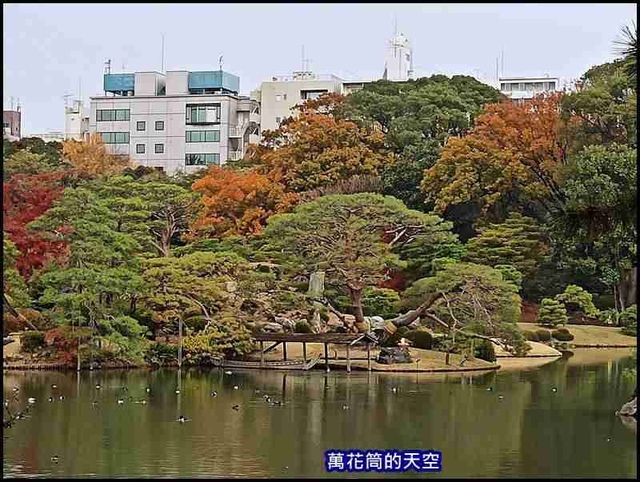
(214, 80)
(119, 83)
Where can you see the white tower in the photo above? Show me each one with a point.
(398, 59)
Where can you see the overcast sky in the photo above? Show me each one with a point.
(50, 48)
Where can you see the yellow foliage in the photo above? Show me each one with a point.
(91, 157)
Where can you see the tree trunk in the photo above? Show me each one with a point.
(627, 287)
(13, 311)
(356, 302)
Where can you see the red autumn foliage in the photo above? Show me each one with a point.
(24, 198)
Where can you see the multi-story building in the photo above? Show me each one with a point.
(523, 88)
(11, 124)
(278, 95)
(178, 121)
(76, 121)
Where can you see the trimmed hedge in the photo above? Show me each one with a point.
(420, 339)
(543, 335)
(531, 335)
(562, 335)
(302, 327)
(31, 341)
(552, 313)
(485, 351)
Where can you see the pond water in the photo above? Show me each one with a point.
(522, 427)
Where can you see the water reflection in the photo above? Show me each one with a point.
(555, 420)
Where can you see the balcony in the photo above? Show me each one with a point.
(235, 155)
(236, 131)
(254, 117)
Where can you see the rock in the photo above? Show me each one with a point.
(333, 320)
(286, 323)
(316, 284)
(390, 355)
(363, 327)
(629, 409)
(376, 322)
(316, 322)
(272, 328)
(231, 286)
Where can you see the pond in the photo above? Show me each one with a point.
(556, 420)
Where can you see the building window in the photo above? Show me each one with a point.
(203, 136)
(311, 94)
(141, 125)
(203, 114)
(5, 124)
(278, 97)
(278, 119)
(202, 159)
(139, 148)
(115, 137)
(110, 115)
(159, 149)
(159, 125)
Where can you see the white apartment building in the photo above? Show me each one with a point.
(76, 121)
(278, 95)
(521, 88)
(178, 121)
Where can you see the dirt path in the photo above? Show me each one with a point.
(592, 336)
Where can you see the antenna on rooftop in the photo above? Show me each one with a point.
(502, 62)
(107, 68)
(66, 99)
(220, 61)
(162, 64)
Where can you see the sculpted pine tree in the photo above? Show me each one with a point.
(518, 242)
(350, 238)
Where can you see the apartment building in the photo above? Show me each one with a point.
(177, 121)
(76, 121)
(11, 124)
(522, 88)
(278, 95)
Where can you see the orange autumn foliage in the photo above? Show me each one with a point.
(318, 147)
(238, 202)
(513, 148)
(91, 157)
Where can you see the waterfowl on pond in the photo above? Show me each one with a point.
(54, 386)
(228, 372)
(61, 397)
(120, 401)
(345, 407)
(500, 397)
(182, 419)
(98, 387)
(236, 407)
(51, 399)
(55, 459)
(278, 402)
(235, 387)
(214, 394)
(554, 389)
(16, 389)
(147, 389)
(394, 389)
(31, 400)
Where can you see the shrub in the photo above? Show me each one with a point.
(161, 353)
(531, 335)
(485, 351)
(552, 313)
(380, 302)
(629, 316)
(394, 339)
(420, 339)
(31, 341)
(302, 327)
(543, 335)
(576, 298)
(610, 316)
(562, 335)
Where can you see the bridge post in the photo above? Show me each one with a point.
(348, 360)
(304, 351)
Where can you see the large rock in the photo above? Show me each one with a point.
(286, 323)
(376, 322)
(390, 355)
(272, 328)
(630, 409)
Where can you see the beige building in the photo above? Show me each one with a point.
(278, 95)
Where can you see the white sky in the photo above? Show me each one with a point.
(50, 48)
